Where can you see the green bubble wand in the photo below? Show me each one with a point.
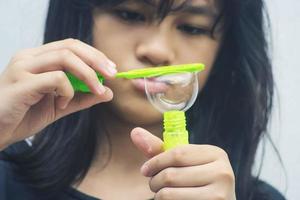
(182, 84)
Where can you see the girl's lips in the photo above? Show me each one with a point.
(152, 86)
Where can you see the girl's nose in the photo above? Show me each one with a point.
(156, 50)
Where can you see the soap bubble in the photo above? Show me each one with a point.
(172, 92)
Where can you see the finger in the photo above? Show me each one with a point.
(90, 55)
(187, 193)
(182, 156)
(22, 54)
(56, 45)
(64, 60)
(194, 176)
(58, 82)
(83, 101)
(147, 143)
(47, 83)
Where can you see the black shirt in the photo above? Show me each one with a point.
(13, 189)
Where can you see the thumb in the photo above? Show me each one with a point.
(146, 142)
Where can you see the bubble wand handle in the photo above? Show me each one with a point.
(79, 86)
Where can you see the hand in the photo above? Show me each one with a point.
(35, 90)
(186, 172)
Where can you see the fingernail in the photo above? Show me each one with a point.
(145, 170)
(111, 71)
(101, 89)
(144, 143)
(63, 105)
(111, 64)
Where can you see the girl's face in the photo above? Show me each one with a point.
(132, 37)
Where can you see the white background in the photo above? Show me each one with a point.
(21, 26)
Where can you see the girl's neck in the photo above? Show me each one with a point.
(116, 149)
(116, 167)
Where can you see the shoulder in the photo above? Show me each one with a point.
(14, 187)
(265, 191)
(6, 166)
(11, 185)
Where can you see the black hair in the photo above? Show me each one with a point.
(232, 110)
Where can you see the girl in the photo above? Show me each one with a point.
(87, 146)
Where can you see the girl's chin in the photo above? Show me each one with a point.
(138, 115)
(144, 117)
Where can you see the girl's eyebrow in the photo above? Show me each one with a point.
(197, 10)
(203, 10)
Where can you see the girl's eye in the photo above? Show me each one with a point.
(192, 30)
(130, 16)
